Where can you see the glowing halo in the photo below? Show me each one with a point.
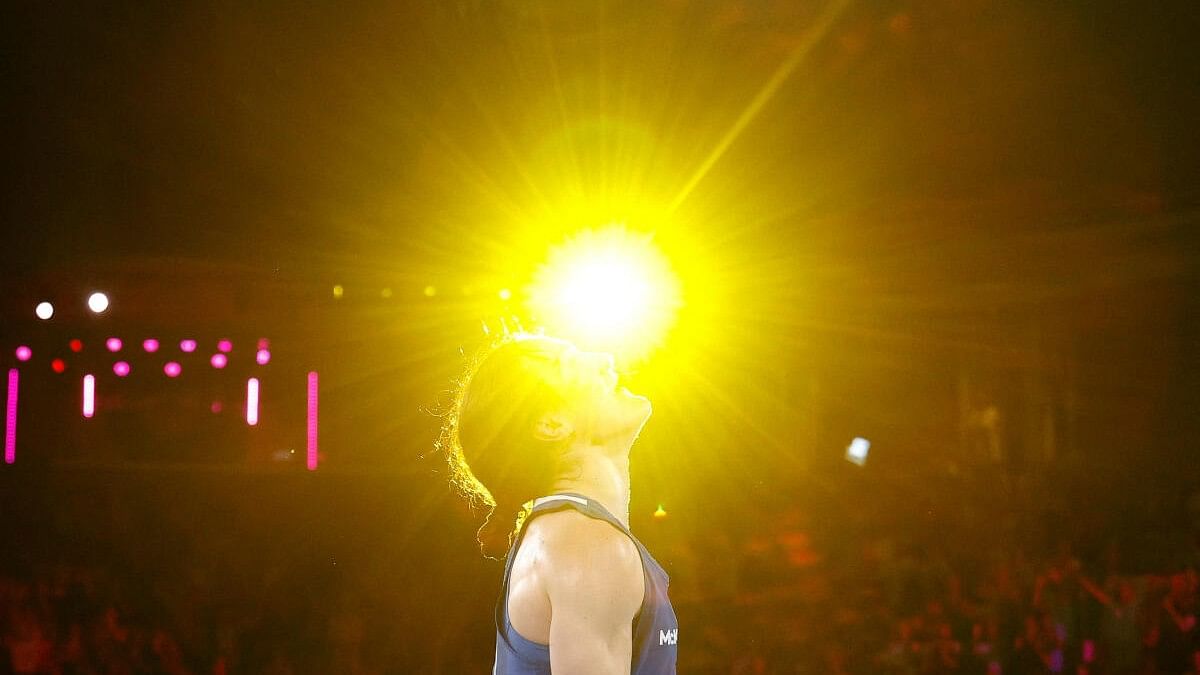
(609, 288)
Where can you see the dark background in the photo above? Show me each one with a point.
(946, 207)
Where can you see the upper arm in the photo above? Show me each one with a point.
(595, 585)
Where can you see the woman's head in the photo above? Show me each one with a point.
(521, 410)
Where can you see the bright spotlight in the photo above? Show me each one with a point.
(44, 311)
(609, 288)
(97, 302)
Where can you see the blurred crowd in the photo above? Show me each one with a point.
(814, 587)
(787, 614)
(917, 616)
(66, 620)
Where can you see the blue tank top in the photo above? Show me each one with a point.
(655, 628)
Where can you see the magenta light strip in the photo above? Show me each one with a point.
(10, 419)
(312, 421)
(252, 401)
(89, 395)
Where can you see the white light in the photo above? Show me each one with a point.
(611, 289)
(89, 395)
(44, 311)
(97, 302)
(857, 451)
(252, 401)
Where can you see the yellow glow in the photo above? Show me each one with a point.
(609, 288)
(430, 291)
(505, 294)
(661, 512)
(338, 291)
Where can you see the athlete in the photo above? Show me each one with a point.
(541, 432)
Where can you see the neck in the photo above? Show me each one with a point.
(600, 473)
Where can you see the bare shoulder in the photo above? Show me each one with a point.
(582, 556)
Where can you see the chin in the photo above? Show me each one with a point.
(628, 416)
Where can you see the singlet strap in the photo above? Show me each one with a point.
(554, 498)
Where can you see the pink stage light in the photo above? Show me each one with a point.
(263, 343)
(312, 421)
(224, 346)
(113, 344)
(263, 357)
(76, 345)
(121, 368)
(216, 407)
(150, 345)
(219, 361)
(10, 418)
(59, 366)
(89, 395)
(172, 369)
(187, 346)
(24, 353)
(252, 401)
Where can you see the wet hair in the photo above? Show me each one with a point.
(495, 460)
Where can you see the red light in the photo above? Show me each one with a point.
(224, 346)
(252, 401)
(10, 418)
(58, 366)
(89, 396)
(76, 345)
(312, 451)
